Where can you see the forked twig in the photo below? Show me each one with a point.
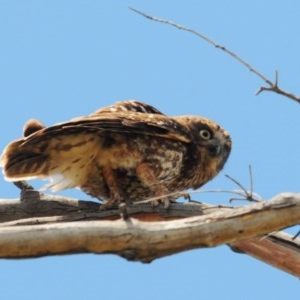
(243, 193)
(272, 86)
(248, 195)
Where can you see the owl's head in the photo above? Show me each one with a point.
(211, 142)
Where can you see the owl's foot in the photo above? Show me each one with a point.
(186, 196)
(115, 197)
(164, 201)
(109, 205)
(113, 202)
(147, 177)
(168, 200)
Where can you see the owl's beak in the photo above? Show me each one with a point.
(217, 148)
(214, 147)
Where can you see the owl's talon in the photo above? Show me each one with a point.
(154, 203)
(124, 211)
(187, 197)
(166, 203)
(110, 204)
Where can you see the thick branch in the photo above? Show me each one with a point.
(37, 208)
(278, 249)
(272, 86)
(145, 241)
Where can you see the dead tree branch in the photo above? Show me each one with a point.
(278, 249)
(40, 225)
(271, 86)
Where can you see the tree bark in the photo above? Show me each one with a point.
(40, 225)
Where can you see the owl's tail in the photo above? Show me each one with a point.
(21, 162)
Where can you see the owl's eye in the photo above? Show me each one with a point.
(205, 134)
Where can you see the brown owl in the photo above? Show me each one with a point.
(129, 151)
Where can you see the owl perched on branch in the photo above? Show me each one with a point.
(128, 151)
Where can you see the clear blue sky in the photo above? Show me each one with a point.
(62, 59)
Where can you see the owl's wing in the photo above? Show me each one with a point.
(128, 106)
(48, 150)
(125, 117)
(137, 123)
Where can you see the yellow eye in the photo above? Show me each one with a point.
(205, 134)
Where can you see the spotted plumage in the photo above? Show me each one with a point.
(128, 151)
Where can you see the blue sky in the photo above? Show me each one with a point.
(62, 59)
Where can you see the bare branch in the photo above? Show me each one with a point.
(247, 195)
(38, 208)
(23, 185)
(278, 250)
(54, 225)
(272, 86)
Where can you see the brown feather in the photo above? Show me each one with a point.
(127, 151)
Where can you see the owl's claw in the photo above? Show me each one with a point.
(111, 203)
(165, 201)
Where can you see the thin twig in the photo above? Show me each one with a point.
(296, 235)
(251, 180)
(272, 86)
(247, 195)
(23, 185)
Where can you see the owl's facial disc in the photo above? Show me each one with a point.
(218, 148)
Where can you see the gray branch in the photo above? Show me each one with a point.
(271, 86)
(40, 225)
